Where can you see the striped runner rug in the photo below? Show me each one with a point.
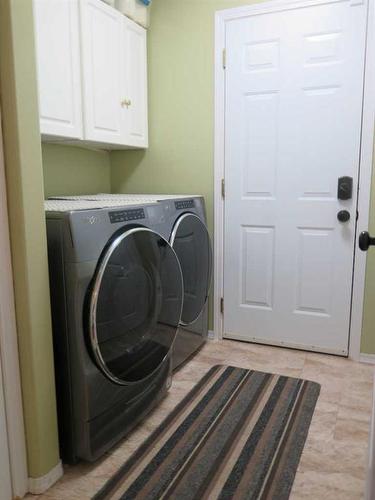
(238, 434)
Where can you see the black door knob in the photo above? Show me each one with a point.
(343, 216)
(365, 241)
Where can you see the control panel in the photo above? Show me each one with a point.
(127, 215)
(184, 204)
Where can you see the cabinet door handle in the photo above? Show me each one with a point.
(126, 103)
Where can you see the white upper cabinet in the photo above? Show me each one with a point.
(102, 53)
(135, 88)
(58, 67)
(107, 104)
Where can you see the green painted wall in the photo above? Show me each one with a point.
(180, 159)
(28, 237)
(368, 330)
(181, 83)
(181, 104)
(70, 170)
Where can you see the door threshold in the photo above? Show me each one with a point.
(287, 345)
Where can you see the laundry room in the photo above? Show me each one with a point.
(187, 274)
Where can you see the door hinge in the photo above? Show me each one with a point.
(222, 305)
(223, 188)
(357, 215)
(224, 58)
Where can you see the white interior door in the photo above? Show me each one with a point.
(294, 91)
(5, 480)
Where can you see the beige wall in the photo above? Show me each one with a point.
(28, 238)
(70, 170)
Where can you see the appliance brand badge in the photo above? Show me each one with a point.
(92, 220)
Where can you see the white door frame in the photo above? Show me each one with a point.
(9, 351)
(366, 157)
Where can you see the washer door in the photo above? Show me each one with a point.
(135, 305)
(191, 242)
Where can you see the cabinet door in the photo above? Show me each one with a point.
(102, 46)
(58, 67)
(135, 86)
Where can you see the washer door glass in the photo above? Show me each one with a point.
(135, 305)
(191, 242)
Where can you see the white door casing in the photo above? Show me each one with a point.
(58, 67)
(288, 261)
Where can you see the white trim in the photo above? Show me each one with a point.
(211, 335)
(39, 485)
(9, 351)
(289, 345)
(219, 157)
(270, 6)
(366, 159)
(367, 358)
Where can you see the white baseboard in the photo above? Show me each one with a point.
(211, 335)
(367, 358)
(38, 485)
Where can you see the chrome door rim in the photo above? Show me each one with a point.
(94, 303)
(172, 240)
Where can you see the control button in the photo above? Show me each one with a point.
(183, 205)
(127, 215)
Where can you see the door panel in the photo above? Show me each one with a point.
(260, 165)
(294, 85)
(257, 256)
(314, 272)
(58, 66)
(135, 86)
(102, 46)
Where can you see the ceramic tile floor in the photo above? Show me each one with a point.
(333, 464)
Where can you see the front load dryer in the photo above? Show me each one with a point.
(116, 297)
(189, 237)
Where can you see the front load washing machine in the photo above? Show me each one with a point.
(185, 218)
(116, 296)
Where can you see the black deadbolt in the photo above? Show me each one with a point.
(343, 216)
(345, 188)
